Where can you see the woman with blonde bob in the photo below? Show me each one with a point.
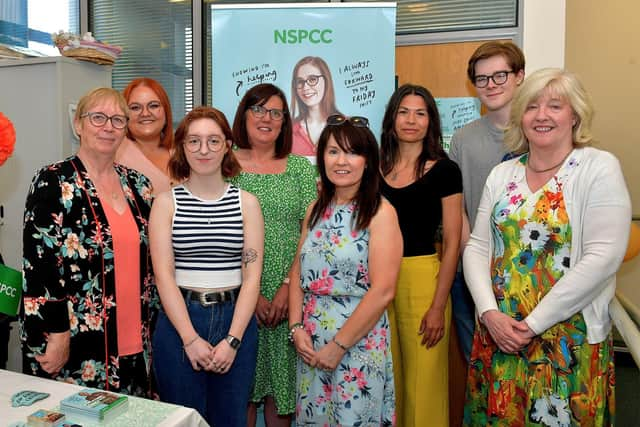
(552, 226)
(89, 301)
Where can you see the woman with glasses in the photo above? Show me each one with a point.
(312, 101)
(89, 302)
(285, 185)
(551, 232)
(207, 246)
(425, 187)
(343, 280)
(149, 132)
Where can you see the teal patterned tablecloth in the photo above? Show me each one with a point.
(141, 412)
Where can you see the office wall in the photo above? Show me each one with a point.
(603, 48)
(543, 33)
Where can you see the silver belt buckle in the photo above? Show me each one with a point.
(204, 301)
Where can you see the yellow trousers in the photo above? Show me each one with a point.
(421, 374)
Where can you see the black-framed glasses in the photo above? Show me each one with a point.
(193, 144)
(339, 119)
(98, 119)
(152, 107)
(259, 111)
(499, 78)
(312, 80)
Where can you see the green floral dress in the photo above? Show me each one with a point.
(559, 379)
(284, 199)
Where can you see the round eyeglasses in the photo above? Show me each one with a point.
(312, 80)
(152, 107)
(193, 144)
(98, 119)
(499, 78)
(259, 111)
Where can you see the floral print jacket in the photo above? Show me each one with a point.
(69, 279)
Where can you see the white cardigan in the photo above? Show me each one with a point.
(599, 210)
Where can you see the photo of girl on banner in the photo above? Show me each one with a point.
(314, 53)
(313, 99)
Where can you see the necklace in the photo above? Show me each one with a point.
(396, 172)
(532, 169)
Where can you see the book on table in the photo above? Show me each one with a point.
(94, 405)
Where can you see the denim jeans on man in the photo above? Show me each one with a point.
(463, 313)
(220, 399)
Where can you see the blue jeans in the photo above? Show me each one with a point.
(463, 313)
(220, 398)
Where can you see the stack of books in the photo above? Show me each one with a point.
(94, 405)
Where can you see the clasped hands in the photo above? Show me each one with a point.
(271, 313)
(510, 335)
(326, 358)
(203, 355)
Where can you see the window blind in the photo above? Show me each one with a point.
(157, 42)
(429, 16)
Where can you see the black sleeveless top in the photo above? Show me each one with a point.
(419, 205)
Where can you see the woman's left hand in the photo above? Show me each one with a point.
(57, 353)
(279, 306)
(223, 357)
(432, 327)
(328, 357)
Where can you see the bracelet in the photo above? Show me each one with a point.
(339, 344)
(191, 342)
(293, 329)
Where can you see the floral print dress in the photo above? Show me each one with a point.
(559, 379)
(334, 270)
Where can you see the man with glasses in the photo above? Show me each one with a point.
(496, 69)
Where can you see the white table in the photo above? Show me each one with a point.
(141, 412)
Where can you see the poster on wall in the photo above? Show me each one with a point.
(327, 58)
(454, 114)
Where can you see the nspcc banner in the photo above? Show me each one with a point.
(327, 58)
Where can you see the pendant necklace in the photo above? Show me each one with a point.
(532, 169)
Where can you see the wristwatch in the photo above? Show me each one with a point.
(234, 342)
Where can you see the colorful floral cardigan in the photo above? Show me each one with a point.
(69, 280)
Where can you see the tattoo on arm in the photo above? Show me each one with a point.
(248, 256)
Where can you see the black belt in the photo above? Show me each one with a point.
(211, 297)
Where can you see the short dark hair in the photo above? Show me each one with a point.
(360, 141)
(508, 50)
(432, 143)
(259, 95)
(179, 168)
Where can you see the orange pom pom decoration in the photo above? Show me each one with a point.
(633, 248)
(7, 138)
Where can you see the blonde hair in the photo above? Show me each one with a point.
(91, 98)
(562, 84)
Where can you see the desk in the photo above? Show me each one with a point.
(141, 412)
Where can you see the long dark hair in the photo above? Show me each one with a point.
(432, 143)
(259, 95)
(362, 142)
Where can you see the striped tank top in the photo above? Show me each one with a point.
(207, 237)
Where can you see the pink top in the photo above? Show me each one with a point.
(132, 157)
(302, 144)
(126, 261)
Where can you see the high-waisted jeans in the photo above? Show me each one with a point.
(220, 398)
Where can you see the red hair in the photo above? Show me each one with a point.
(166, 138)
